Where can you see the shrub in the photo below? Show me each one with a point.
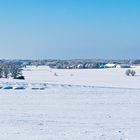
(133, 72)
(130, 72)
(127, 72)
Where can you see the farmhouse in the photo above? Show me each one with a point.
(123, 66)
(109, 65)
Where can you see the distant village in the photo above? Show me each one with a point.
(77, 63)
(13, 68)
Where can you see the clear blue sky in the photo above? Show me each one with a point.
(37, 29)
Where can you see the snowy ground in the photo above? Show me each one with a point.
(75, 105)
(94, 77)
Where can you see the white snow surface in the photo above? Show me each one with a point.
(111, 77)
(74, 105)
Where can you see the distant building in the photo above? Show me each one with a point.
(123, 66)
(80, 66)
(110, 65)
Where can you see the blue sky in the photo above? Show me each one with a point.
(65, 29)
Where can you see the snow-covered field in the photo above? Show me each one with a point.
(71, 105)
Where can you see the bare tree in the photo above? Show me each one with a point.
(127, 72)
(133, 72)
(5, 71)
(130, 72)
(1, 72)
(15, 71)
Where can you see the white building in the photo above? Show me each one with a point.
(109, 65)
(123, 66)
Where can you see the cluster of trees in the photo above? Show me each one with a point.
(10, 70)
(73, 63)
(76, 65)
(130, 72)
